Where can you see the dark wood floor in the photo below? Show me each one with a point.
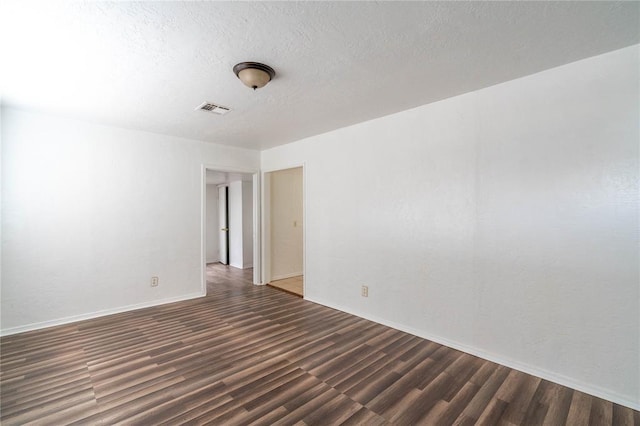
(255, 355)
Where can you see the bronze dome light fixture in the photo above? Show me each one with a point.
(254, 74)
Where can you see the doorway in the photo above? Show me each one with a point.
(283, 216)
(223, 225)
(230, 223)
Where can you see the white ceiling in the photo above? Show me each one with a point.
(147, 65)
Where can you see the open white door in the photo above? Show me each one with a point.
(223, 213)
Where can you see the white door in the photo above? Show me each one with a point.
(223, 213)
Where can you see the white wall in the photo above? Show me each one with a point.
(235, 224)
(241, 224)
(503, 222)
(91, 212)
(286, 221)
(247, 224)
(213, 225)
(1, 210)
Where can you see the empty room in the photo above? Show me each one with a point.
(320, 213)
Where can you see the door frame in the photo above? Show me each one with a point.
(266, 226)
(257, 234)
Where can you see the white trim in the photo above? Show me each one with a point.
(266, 229)
(285, 276)
(525, 368)
(285, 167)
(257, 230)
(304, 227)
(98, 314)
(203, 229)
(235, 265)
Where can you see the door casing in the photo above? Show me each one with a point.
(257, 222)
(266, 228)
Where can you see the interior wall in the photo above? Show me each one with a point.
(235, 224)
(286, 220)
(503, 222)
(1, 210)
(247, 224)
(90, 213)
(241, 224)
(212, 225)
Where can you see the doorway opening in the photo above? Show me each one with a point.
(230, 224)
(223, 224)
(283, 222)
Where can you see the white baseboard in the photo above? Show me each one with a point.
(248, 265)
(284, 276)
(534, 371)
(97, 314)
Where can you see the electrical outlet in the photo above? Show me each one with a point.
(154, 281)
(365, 291)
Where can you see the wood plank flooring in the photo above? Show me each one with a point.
(291, 285)
(253, 355)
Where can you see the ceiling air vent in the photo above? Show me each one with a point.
(213, 108)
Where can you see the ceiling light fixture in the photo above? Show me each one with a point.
(254, 74)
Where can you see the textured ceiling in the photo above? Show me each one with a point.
(147, 65)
